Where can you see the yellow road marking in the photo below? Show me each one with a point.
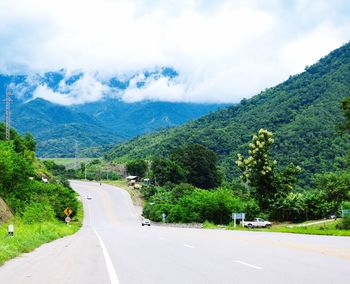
(108, 207)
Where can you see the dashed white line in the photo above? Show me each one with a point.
(247, 264)
(112, 274)
(189, 246)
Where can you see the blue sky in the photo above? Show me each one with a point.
(223, 51)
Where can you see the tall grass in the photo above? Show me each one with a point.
(30, 236)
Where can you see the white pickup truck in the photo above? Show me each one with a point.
(257, 223)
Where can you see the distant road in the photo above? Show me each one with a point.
(113, 247)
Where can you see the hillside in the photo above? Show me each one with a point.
(58, 130)
(95, 125)
(5, 212)
(303, 113)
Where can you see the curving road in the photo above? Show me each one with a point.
(113, 247)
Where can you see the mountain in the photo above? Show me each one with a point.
(58, 130)
(133, 119)
(303, 113)
(88, 128)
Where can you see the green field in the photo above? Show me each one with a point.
(69, 163)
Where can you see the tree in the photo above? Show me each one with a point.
(335, 188)
(164, 170)
(200, 165)
(345, 104)
(137, 167)
(258, 168)
(260, 172)
(29, 142)
(14, 169)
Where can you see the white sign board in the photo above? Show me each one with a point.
(238, 216)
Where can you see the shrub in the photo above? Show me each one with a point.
(55, 195)
(215, 206)
(37, 213)
(345, 223)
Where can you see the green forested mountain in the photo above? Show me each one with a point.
(304, 113)
(61, 131)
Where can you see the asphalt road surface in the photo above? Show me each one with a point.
(113, 247)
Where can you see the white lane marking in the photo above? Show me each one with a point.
(189, 246)
(247, 264)
(112, 274)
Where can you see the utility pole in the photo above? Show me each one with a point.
(8, 114)
(77, 154)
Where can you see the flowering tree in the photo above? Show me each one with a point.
(260, 172)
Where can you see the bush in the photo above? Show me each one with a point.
(37, 213)
(55, 195)
(148, 191)
(186, 204)
(137, 167)
(215, 206)
(345, 223)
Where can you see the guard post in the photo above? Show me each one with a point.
(11, 230)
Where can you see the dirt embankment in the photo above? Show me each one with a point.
(5, 212)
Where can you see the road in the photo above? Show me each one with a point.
(113, 247)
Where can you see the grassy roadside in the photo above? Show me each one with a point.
(134, 193)
(27, 237)
(319, 229)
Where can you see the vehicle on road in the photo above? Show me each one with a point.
(257, 223)
(332, 216)
(146, 222)
(89, 196)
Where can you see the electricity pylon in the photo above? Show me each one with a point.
(8, 114)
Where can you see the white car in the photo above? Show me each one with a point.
(146, 222)
(89, 196)
(257, 223)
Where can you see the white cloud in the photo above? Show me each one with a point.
(222, 50)
(86, 89)
(154, 90)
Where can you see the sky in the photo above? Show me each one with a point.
(223, 51)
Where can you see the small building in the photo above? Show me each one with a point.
(132, 180)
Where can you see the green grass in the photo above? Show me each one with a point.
(319, 229)
(209, 225)
(27, 237)
(69, 163)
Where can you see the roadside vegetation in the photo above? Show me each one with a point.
(35, 198)
(325, 227)
(29, 234)
(189, 186)
(263, 190)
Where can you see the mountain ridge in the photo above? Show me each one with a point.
(64, 131)
(302, 112)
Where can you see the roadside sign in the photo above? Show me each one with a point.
(68, 211)
(67, 219)
(239, 216)
(345, 212)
